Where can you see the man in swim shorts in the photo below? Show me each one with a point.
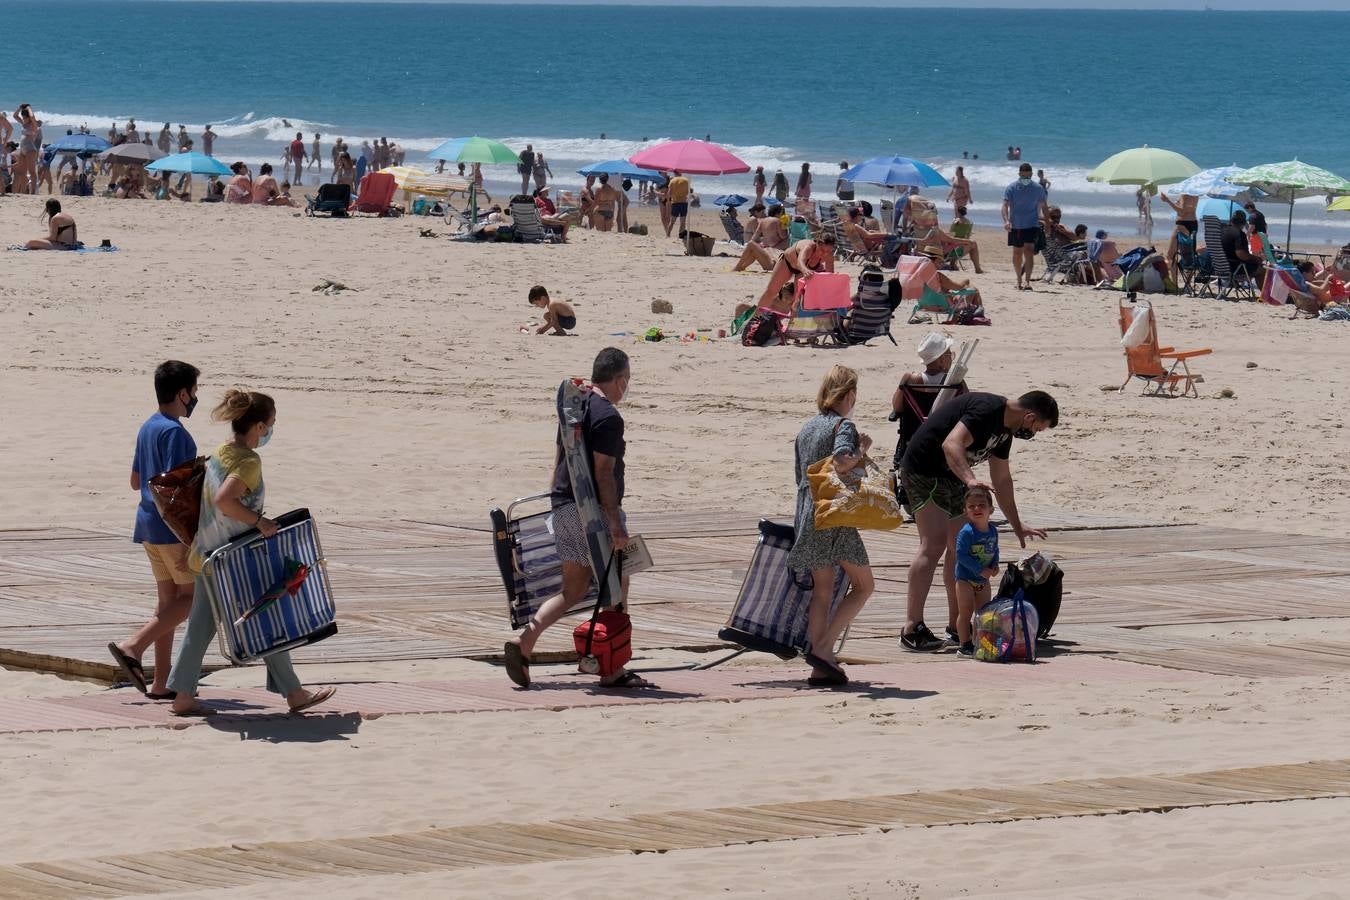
(938, 466)
(1023, 209)
(677, 192)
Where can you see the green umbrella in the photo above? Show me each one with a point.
(1144, 166)
(475, 150)
(1289, 181)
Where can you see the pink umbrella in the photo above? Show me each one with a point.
(690, 157)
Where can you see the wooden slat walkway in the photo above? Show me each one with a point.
(420, 590)
(521, 843)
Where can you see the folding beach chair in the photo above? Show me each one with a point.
(527, 557)
(377, 190)
(333, 200)
(1283, 285)
(1149, 362)
(525, 220)
(1194, 278)
(770, 612)
(866, 319)
(733, 227)
(1230, 284)
(1057, 262)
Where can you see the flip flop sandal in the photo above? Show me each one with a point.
(166, 695)
(198, 711)
(517, 664)
(318, 697)
(630, 681)
(833, 668)
(827, 681)
(130, 667)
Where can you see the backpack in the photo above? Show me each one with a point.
(1005, 628)
(1041, 582)
(765, 328)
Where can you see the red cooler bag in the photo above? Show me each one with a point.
(609, 645)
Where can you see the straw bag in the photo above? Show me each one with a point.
(863, 497)
(178, 497)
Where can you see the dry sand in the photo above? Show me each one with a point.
(414, 395)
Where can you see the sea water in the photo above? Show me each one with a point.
(775, 86)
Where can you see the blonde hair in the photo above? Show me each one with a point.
(835, 387)
(243, 409)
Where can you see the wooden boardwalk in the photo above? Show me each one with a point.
(420, 590)
(242, 865)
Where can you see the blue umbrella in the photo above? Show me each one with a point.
(621, 167)
(193, 163)
(80, 143)
(730, 200)
(1215, 183)
(896, 171)
(1219, 207)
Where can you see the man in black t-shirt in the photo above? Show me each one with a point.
(1236, 248)
(1255, 217)
(602, 429)
(938, 466)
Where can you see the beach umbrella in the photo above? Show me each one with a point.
(1221, 208)
(621, 167)
(1144, 166)
(141, 153)
(80, 143)
(1288, 181)
(475, 150)
(690, 157)
(1215, 183)
(730, 200)
(896, 172)
(193, 163)
(1341, 204)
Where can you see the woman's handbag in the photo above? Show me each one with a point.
(863, 497)
(178, 497)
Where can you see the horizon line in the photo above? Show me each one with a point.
(1161, 6)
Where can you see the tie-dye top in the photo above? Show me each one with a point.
(214, 528)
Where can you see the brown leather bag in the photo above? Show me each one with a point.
(178, 497)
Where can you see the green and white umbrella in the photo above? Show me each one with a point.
(1144, 166)
(1288, 181)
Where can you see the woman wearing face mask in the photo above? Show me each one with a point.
(232, 503)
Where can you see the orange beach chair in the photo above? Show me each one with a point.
(1150, 362)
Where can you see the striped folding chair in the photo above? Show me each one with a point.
(527, 557)
(1230, 284)
(770, 612)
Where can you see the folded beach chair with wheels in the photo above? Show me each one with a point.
(770, 613)
(527, 557)
(1160, 368)
(333, 200)
(377, 190)
(270, 594)
(525, 219)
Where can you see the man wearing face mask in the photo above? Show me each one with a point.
(603, 430)
(1023, 209)
(938, 467)
(161, 444)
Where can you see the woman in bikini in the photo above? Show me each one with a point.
(25, 170)
(61, 233)
(1186, 219)
(798, 262)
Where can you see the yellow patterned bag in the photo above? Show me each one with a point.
(863, 497)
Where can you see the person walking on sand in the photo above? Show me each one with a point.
(603, 433)
(232, 503)
(938, 468)
(161, 444)
(959, 195)
(209, 141)
(526, 168)
(1024, 207)
(298, 157)
(677, 195)
(316, 156)
(829, 434)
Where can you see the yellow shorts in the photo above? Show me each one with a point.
(166, 560)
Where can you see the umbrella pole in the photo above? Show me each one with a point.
(1289, 229)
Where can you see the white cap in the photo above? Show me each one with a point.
(933, 346)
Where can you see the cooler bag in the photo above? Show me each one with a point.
(825, 290)
(604, 643)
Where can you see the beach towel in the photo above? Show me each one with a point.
(80, 248)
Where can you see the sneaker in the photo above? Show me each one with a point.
(921, 640)
(952, 636)
(966, 651)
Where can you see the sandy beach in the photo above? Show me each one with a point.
(414, 395)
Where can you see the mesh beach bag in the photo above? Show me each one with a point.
(1005, 630)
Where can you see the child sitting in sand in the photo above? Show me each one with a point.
(558, 316)
(976, 563)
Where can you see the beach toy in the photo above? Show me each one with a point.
(654, 334)
(1005, 630)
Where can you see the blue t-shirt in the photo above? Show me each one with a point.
(975, 552)
(1024, 204)
(161, 444)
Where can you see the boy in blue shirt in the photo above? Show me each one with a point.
(976, 563)
(161, 444)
